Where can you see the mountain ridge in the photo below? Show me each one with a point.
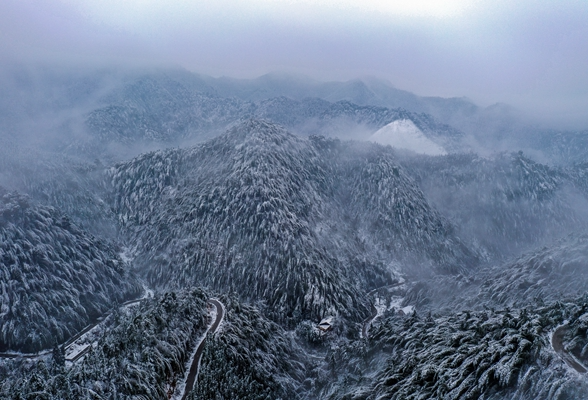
(261, 194)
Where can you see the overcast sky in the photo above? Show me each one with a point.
(532, 54)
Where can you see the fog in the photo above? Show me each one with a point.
(529, 54)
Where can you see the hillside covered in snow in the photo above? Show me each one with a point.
(307, 225)
(55, 278)
(350, 240)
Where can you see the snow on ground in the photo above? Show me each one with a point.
(380, 305)
(89, 338)
(404, 134)
(149, 293)
(75, 349)
(396, 306)
(408, 310)
(395, 303)
(126, 255)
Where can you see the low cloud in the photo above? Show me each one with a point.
(526, 54)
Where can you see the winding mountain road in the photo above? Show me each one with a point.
(557, 344)
(195, 366)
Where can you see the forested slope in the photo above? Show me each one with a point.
(468, 355)
(507, 203)
(250, 358)
(306, 225)
(140, 356)
(55, 278)
(547, 274)
(69, 183)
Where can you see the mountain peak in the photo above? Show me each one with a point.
(259, 130)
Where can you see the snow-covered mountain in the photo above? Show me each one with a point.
(121, 112)
(457, 111)
(505, 204)
(159, 110)
(547, 274)
(494, 354)
(54, 277)
(306, 225)
(72, 184)
(140, 353)
(347, 268)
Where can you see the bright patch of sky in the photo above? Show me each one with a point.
(137, 12)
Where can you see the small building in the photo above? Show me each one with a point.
(326, 324)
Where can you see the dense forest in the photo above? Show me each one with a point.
(307, 225)
(346, 269)
(141, 356)
(55, 277)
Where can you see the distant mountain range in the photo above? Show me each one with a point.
(157, 109)
(121, 112)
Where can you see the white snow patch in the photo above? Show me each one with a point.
(75, 349)
(126, 255)
(396, 306)
(404, 134)
(148, 294)
(380, 305)
(395, 303)
(408, 310)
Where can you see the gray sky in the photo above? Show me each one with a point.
(532, 54)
